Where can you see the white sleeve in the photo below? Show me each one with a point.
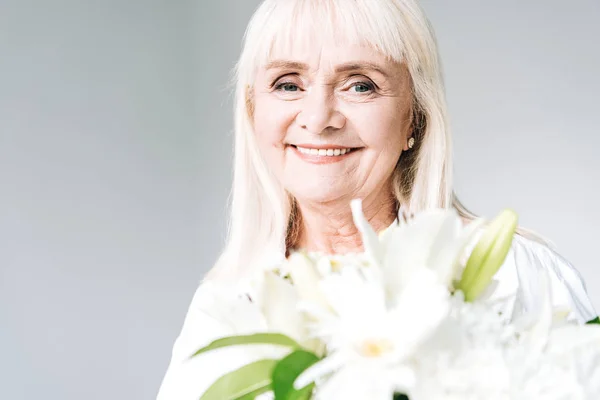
(215, 311)
(567, 286)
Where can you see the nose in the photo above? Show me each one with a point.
(318, 113)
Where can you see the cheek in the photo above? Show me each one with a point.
(271, 121)
(382, 127)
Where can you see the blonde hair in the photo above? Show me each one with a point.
(262, 212)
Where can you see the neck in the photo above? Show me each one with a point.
(329, 227)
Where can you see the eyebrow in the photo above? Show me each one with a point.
(346, 67)
(285, 64)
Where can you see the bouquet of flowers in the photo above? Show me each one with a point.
(412, 317)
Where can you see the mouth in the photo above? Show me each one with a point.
(322, 154)
(323, 151)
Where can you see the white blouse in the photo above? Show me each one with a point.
(188, 379)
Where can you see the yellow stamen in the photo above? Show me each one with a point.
(375, 347)
(336, 266)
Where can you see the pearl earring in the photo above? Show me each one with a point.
(411, 142)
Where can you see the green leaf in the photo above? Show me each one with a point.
(287, 370)
(257, 338)
(594, 321)
(244, 383)
(400, 396)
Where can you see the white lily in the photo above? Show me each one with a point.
(434, 240)
(279, 307)
(366, 340)
(305, 278)
(555, 359)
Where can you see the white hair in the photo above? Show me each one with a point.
(262, 212)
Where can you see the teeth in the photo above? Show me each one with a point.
(323, 152)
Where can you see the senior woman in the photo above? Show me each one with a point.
(335, 100)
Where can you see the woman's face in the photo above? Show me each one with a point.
(332, 123)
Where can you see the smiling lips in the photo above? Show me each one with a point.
(323, 154)
(331, 152)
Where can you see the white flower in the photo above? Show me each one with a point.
(369, 345)
(487, 358)
(465, 359)
(554, 359)
(434, 239)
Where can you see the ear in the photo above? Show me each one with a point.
(410, 129)
(405, 146)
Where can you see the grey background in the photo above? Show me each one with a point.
(115, 150)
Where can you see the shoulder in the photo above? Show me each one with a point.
(521, 270)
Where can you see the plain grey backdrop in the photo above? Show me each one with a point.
(115, 151)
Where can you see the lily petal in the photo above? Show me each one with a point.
(279, 306)
(370, 239)
(306, 278)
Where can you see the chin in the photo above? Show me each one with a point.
(322, 193)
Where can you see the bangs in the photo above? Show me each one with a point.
(287, 26)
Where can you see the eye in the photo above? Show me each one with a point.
(287, 87)
(363, 87)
